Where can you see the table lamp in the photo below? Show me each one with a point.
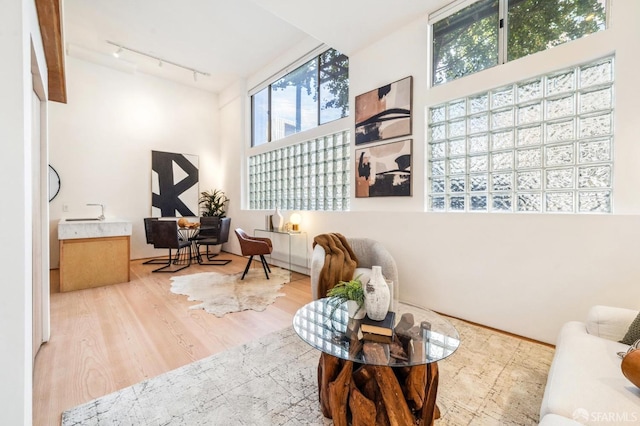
(295, 220)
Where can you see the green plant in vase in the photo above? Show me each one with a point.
(213, 203)
(350, 292)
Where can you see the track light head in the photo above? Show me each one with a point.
(195, 76)
(117, 52)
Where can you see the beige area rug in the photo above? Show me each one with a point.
(492, 379)
(221, 294)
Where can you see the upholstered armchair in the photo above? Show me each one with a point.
(254, 246)
(369, 253)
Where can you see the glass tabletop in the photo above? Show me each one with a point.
(420, 336)
(276, 231)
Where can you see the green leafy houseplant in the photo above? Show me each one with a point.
(213, 203)
(345, 291)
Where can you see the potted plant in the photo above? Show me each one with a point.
(213, 203)
(215, 225)
(350, 292)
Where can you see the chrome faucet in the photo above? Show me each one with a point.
(101, 217)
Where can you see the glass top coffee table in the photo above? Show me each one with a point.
(372, 382)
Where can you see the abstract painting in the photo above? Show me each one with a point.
(384, 170)
(384, 113)
(174, 184)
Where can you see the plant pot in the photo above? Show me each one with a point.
(352, 308)
(215, 249)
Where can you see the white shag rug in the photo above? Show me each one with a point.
(221, 294)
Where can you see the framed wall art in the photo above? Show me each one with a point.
(174, 184)
(384, 113)
(384, 170)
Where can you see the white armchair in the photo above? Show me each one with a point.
(369, 253)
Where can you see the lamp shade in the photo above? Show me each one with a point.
(295, 220)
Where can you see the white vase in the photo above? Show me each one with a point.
(277, 220)
(355, 311)
(377, 295)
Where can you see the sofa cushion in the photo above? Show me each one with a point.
(633, 333)
(609, 322)
(585, 375)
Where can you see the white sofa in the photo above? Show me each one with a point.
(585, 384)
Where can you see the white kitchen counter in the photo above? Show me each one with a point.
(93, 253)
(68, 230)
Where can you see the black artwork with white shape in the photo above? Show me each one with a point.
(174, 184)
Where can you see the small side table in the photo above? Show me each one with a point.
(377, 383)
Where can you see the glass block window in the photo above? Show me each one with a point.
(312, 175)
(541, 145)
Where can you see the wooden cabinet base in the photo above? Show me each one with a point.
(93, 262)
(378, 395)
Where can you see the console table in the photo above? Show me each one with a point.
(366, 382)
(289, 249)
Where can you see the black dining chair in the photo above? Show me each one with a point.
(148, 232)
(165, 235)
(213, 232)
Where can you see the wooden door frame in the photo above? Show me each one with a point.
(49, 13)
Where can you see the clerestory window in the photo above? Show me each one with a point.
(491, 32)
(315, 93)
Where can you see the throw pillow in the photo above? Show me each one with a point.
(631, 366)
(633, 333)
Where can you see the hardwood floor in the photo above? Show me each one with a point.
(107, 338)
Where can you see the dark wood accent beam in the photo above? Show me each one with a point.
(51, 30)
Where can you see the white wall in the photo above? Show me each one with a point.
(19, 30)
(101, 143)
(526, 274)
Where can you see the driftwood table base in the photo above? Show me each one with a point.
(374, 394)
(368, 378)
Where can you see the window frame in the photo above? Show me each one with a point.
(503, 33)
(315, 55)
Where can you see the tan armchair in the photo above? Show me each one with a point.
(254, 246)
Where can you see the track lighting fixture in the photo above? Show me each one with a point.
(161, 61)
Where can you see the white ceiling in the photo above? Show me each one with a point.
(229, 39)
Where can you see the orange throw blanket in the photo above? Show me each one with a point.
(339, 263)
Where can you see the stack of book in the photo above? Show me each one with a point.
(378, 331)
